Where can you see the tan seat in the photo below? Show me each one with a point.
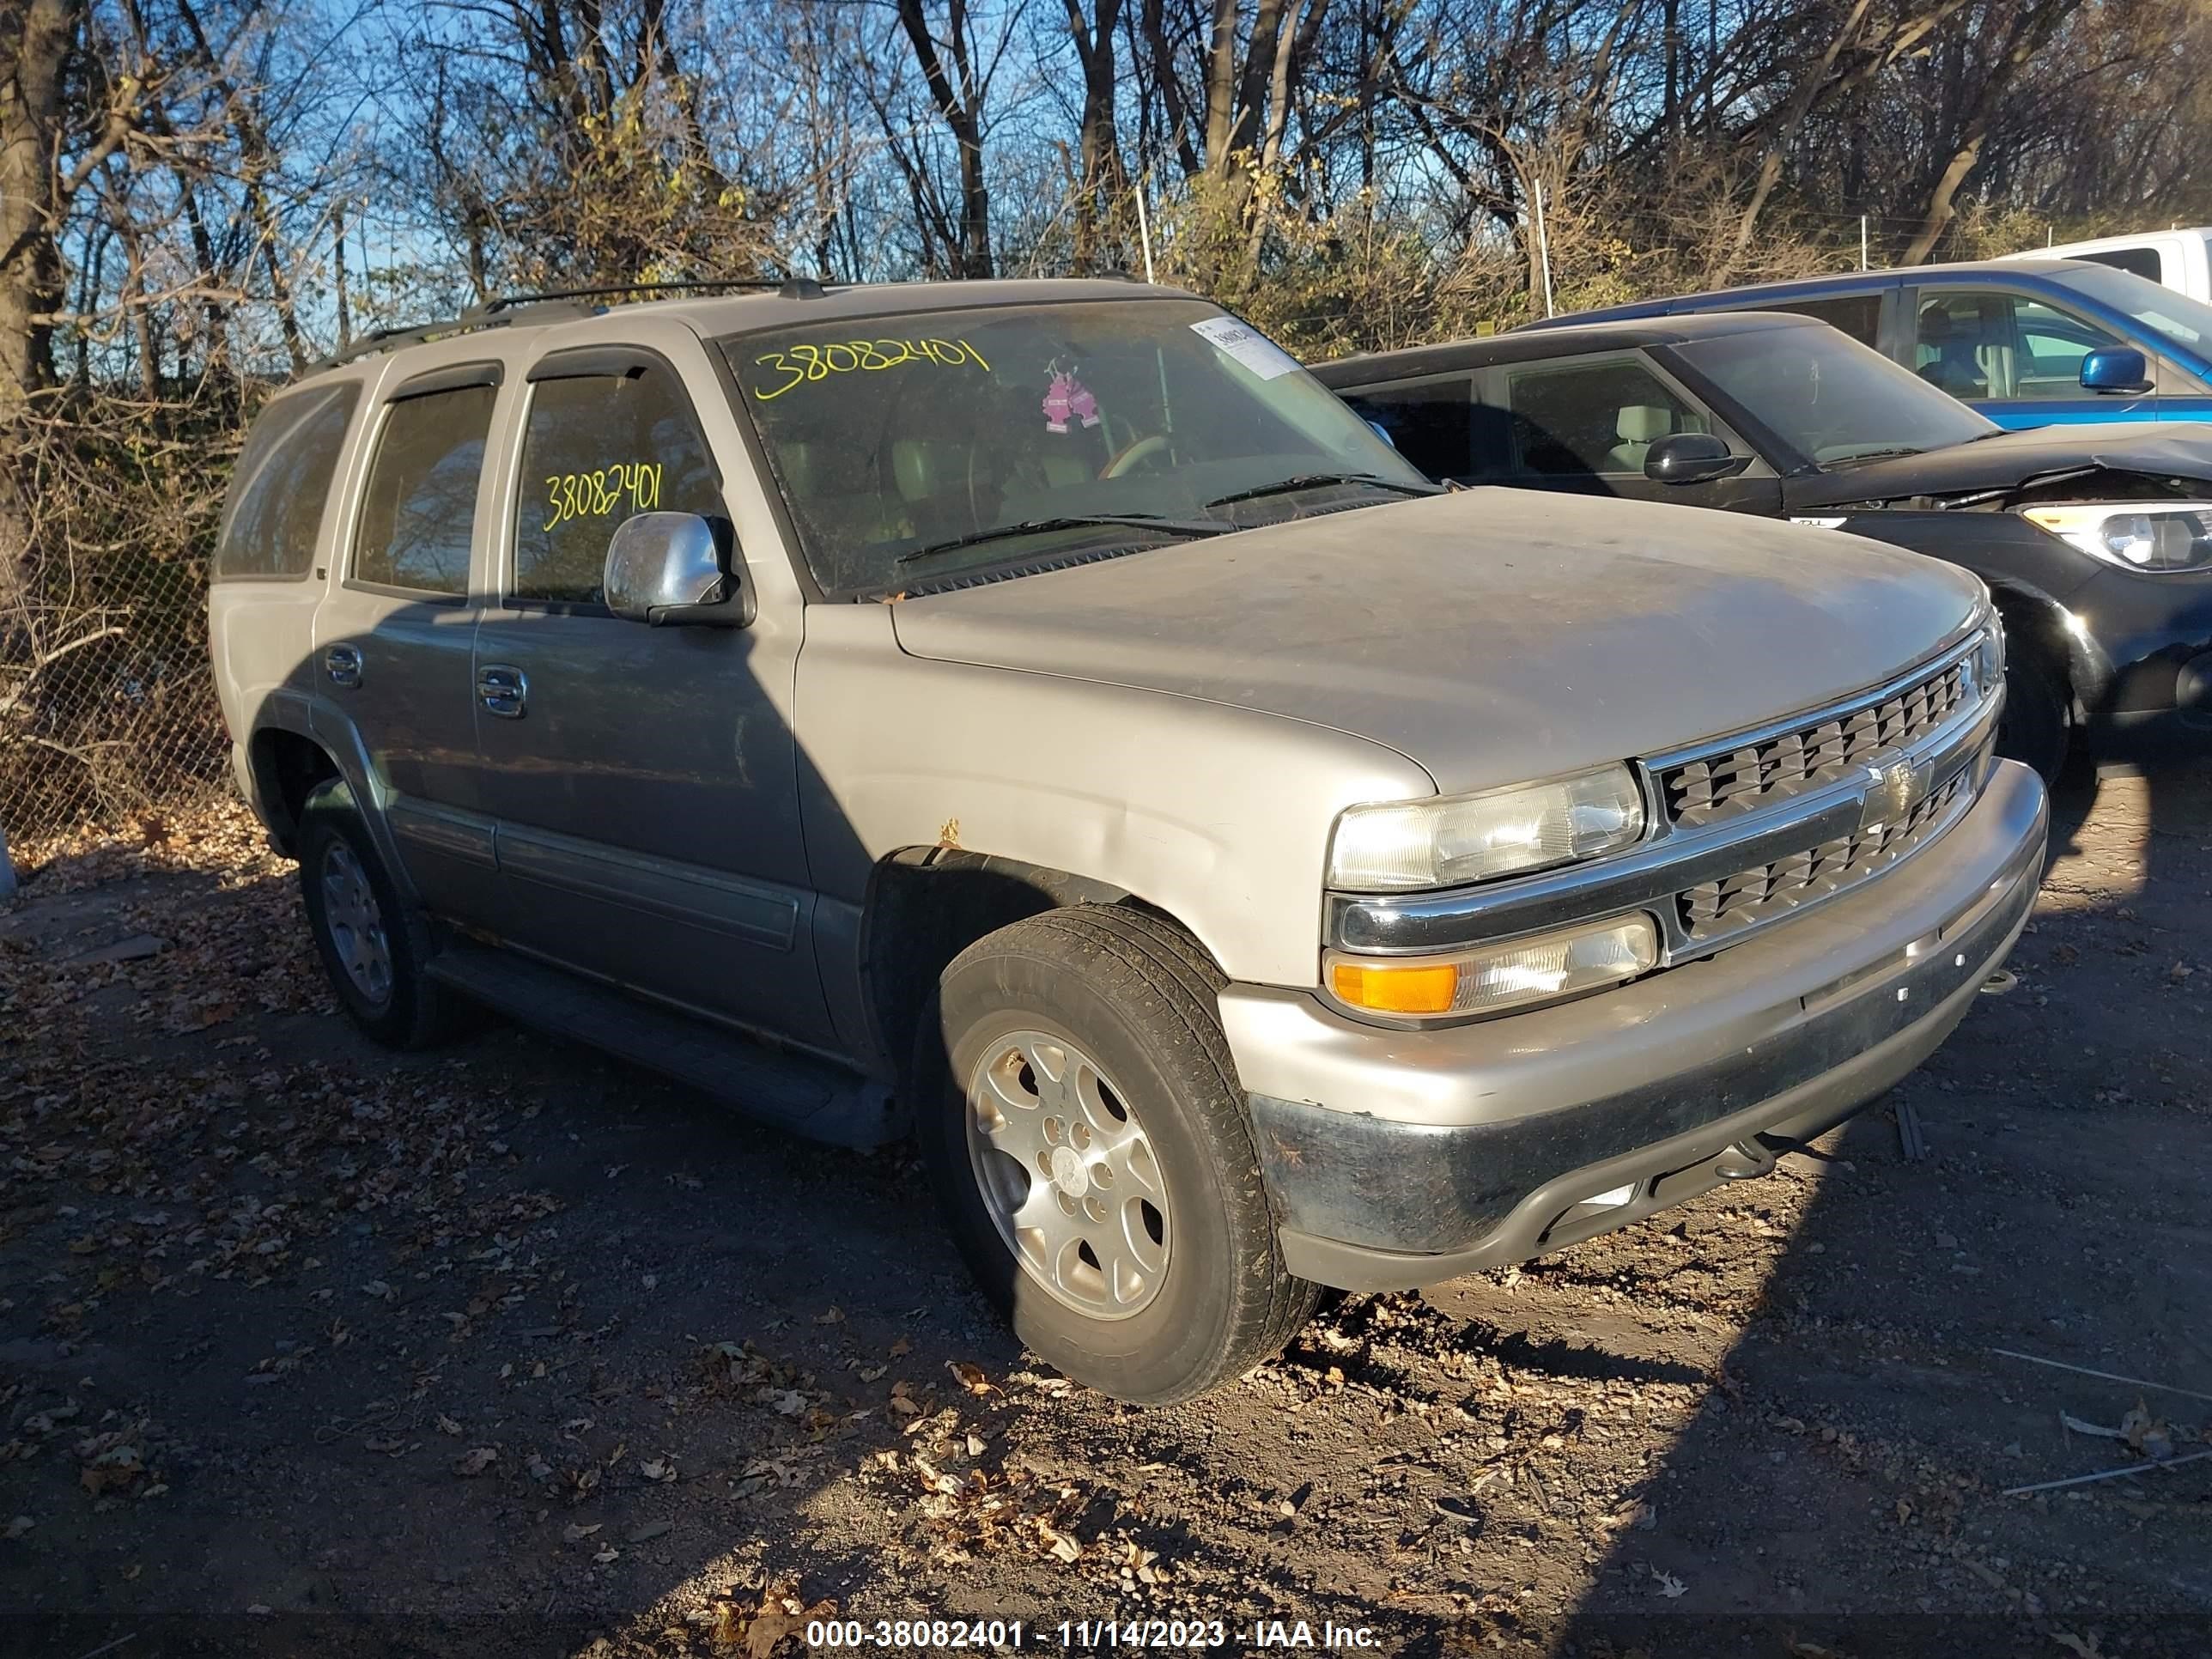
(1638, 426)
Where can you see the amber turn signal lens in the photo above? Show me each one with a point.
(1428, 989)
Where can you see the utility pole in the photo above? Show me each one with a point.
(1543, 243)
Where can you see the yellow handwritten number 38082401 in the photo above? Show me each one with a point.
(802, 363)
(634, 485)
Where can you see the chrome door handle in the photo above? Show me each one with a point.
(502, 691)
(343, 664)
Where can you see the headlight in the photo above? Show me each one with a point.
(2134, 535)
(1988, 658)
(1412, 845)
(1491, 978)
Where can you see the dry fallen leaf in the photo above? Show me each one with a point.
(781, 1614)
(475, 1462)
(576, 1533)
(2145, 1434)
(446, 1425)
(971, 1377)
(111, 1469)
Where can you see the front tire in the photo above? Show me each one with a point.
(1084, 1127)
(374, 946)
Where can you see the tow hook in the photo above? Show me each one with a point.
(1745, 1161)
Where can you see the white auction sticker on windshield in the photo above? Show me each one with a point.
(1247, 346)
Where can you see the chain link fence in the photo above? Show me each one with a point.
(108, 704)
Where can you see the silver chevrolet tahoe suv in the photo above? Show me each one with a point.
(1036, 717)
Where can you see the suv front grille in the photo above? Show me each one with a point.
(1731, 782)
(1715, 909)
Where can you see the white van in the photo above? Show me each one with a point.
(2177, 257)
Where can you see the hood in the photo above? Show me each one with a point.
(1491, 635)
(2177, 449)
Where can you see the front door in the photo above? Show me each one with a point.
(1586, 424)
(392, 640)
(2018, 360)
(643, 782)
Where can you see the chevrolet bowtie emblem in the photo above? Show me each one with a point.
(1893, 791)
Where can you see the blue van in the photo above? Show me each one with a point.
(2027, 342)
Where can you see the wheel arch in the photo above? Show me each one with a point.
(288, 766)
(926, 905)
(2032, 617)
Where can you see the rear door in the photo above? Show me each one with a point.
(1433, 422)
(643, 781)
(393, 639)
(1586, 424)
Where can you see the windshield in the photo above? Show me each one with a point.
(934, 445)
(2186, 322)
(1829, 399)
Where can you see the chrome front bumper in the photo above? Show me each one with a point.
(1396, 1159)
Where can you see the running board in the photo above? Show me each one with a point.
(793, 1091)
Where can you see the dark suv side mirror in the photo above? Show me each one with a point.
(1687, 458)
(672, 570)
(2116, 369)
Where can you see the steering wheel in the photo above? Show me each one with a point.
(1143, 449)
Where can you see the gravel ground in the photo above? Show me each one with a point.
(511, 1349)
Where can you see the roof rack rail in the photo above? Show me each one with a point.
(407, 334)
(502, 309)
(791, 287)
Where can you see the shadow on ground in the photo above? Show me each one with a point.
(509, 1349)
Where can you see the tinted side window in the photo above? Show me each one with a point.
(596, 449)
(281, 483)
(1430, 423)
(2141, 261)
(1592, 418)
(420, 508)
(1858, 315)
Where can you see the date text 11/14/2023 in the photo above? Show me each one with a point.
(1088, 1635)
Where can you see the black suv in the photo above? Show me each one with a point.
(2096, 542)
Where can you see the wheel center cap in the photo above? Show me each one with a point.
(1068, 1173)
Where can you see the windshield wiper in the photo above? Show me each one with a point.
(1890, 453)
(1075, 521)
(1314, 480)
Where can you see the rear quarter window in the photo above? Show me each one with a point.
(282, 485)
(2136, 261)
(1858, 315)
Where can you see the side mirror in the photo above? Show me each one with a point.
(1688, 457)
(2120, 370)
(671, 570)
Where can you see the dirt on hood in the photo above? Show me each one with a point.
(1491, 635)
